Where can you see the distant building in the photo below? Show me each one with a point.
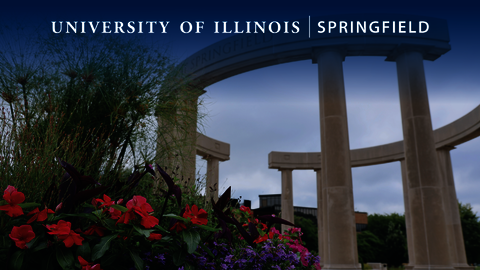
(272, 204)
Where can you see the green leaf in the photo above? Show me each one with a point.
(28, 205)
(65, 257)
(188, 266)
(84, 251)
(17, 260)
(205, 227)
(48, 262)
(42, 245)
(176, 217)
(179, 257)
(119, 207)
(136, 260)
(98, 213)
(159, 228)
(206, 249)
(166, 238)
(33, 242)
(5, 242)
(192, 238)
(82, 215)
(109, 259)
(146, 233)
(100, 248)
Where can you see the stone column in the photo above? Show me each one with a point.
(287, 198)
(211, 188)
(166, 138)
(408, 221)
(454, 226)
(424, 183)
(177, 135)
(320, 215)
(189, 137)
(340, 237)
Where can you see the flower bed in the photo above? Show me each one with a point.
(90, 230)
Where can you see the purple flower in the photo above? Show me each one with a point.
(228, 258)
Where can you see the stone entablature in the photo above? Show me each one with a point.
(208, 147)
(213, 151)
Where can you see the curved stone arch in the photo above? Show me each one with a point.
(459, 131)
(426, 183)
(246, 52)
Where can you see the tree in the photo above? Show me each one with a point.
(309, 227)
(471, 232)
(390, 231)
(369, 246)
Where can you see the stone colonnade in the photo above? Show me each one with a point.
(434, 233)
(455, 247)
(432, 220)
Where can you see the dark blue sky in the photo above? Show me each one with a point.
(276, 108)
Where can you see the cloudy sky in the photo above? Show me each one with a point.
(276, 108)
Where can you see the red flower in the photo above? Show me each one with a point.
(261, 239)
(22, 235)
(264, 237)
(148, 221)
(126, 217)
(64, 233)
(94, 202)
(114, 213)
(95, 229)
(12, 197)
(88, 266)
(39, 215)
(106, 202)
(179, 226)
(139, 205)
(196, 216)
(137, 202)
(10, 189)
(73, 238)
(154, 236)
(62, 228)
(59, 206)
(246, 209)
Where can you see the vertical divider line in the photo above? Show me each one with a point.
(309, 26)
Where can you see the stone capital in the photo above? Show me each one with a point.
(447, 148)
(317, 51)
(403, 48)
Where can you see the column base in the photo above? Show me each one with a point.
(464, 267)
(433, 267)
(342, 266)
